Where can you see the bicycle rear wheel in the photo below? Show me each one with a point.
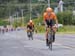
(32, 35)
(50, 46)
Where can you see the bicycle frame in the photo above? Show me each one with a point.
(50, 38)
(30, 34)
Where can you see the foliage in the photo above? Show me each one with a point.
(67, 28)
(12, 6)
(65, 17)
(9, 7)
(3, 22)
(17, 23)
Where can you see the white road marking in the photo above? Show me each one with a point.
(14, 47)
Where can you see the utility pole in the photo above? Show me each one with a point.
(60, 6)
(17, 18)
(30, 9)
(10, 20)
(22, 16)
(17, 15)
(48, 3)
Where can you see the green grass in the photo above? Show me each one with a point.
(40, 29)
(65, 29)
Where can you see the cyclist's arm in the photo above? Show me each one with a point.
(44, 17)
(56, 20)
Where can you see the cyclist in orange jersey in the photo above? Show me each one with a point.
(49, 20)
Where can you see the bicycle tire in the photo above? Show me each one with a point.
(50, 46)
(31, 35)
(50, 40)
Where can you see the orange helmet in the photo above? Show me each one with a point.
(49, 9)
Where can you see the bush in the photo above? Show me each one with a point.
(16, 24)
(65, 17)
(40, 29)
(4, 22)
(38, 20)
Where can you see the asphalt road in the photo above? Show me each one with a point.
(17, 44)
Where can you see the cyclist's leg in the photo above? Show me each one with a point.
(53, 28)
(47, 35)
(32, 32)
(27, 32)
(54, 37)
(54, 31)
(49, 24)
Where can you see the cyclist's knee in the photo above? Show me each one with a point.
(46, 34)
(54, 29)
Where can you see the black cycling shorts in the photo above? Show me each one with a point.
(30, 27)
(50, 23)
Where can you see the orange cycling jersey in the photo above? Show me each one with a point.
(52, 16)
(30, 25)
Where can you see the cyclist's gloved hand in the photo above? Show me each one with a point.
(56, 26)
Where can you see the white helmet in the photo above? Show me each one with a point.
(30, 21)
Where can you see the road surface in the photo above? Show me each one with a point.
(17, 44)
